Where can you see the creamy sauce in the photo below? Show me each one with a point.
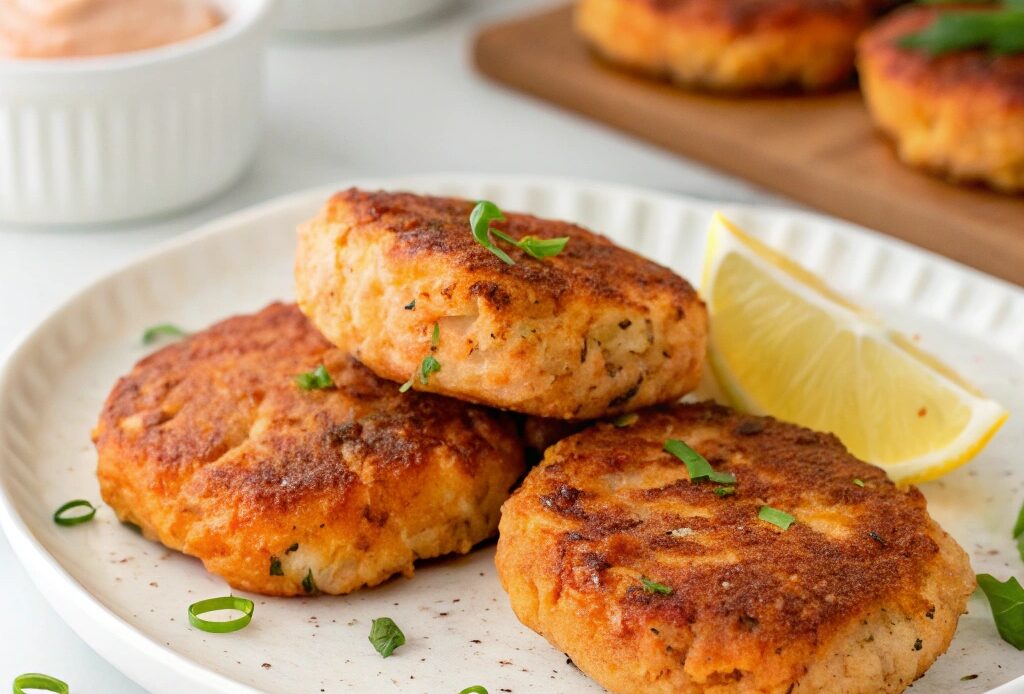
(74, 28)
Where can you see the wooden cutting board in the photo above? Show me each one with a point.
(820, 150)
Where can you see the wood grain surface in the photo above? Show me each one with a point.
(820, 150)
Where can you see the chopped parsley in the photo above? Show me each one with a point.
(385, 636)
(275, 567)
(625, 420)
(776, 517)
(308, 584)
(317, 379)
(294, 547)
(155, 332)
(485, 212)
(696, 465)
(725, 491)
(1007, 602)
(429, 365)
(858, 481)
(655, 587)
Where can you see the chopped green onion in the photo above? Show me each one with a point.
(475, 689)
(229, 602)
(275, 567)
(696, 465)
(725, 491)
(429, 365)
(435, 336)
(1018, 532)
(858, 481)
(154, 332)
(60, 518)
(308, 583)
(776, 517)
(317, 379)
(486, 212)
(1007, 603)
(999, 31)
(385, 636)
(654, 587)
(39, 682)
(625, 420)
(293, 548)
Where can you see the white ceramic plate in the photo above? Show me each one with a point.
(127, 597)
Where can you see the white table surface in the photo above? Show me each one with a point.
(402, 101)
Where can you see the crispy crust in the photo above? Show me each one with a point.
(595, 330)
(210, 447)
(836, 603)
(730, 45)
(960, 115)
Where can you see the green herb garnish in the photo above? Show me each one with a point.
(154, 332)
(999, 31)
(475, 689)
(308, 584)
(292, 548)
(858, 481)
(1018, 532)
(60, 516)
(39, 682)
(696, 465)
(411, 305)
(655, 587)
(429, 365)
(230, 602)
(1007, 603)
(317, 379)
(485, 212)
(776, 517)
(386, 636)
(275, 567)
(725, 491)
(626, 420)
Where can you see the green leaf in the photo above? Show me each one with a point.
(1018, 532)
(39, 682)
(435, 337)
(626, 420)
(1000, 31)
(427, 367)
(475, 689)
(776, 517)
(655, 587)
(696, 465)
(154, 332)
(480, 220)
(317, 379)
(386, 636)
(1007, 603)
(486, 212)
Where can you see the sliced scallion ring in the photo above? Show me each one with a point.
(60, 518)
(39, 682)
(228, 602)
(475, 689)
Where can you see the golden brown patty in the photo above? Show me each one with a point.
(212, 449)
(731, 45)
(860, 594)
(960, 115)
(592, 331)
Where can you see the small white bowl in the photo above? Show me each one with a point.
(352, 15)
(101, 139)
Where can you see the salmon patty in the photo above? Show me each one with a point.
(652, 581)
(211, 447)
(730, 45)
(959, 115)
(592, 331)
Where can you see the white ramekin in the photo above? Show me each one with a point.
(89, 140)
(352, 15)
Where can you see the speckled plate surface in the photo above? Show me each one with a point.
(128, 597)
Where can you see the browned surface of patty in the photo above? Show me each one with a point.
(210, 447)
(960, 115)
(741, 16)
(593, 331)
(836, 603)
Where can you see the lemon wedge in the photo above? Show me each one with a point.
(783, 343)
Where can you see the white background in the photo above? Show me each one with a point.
(400, 101)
